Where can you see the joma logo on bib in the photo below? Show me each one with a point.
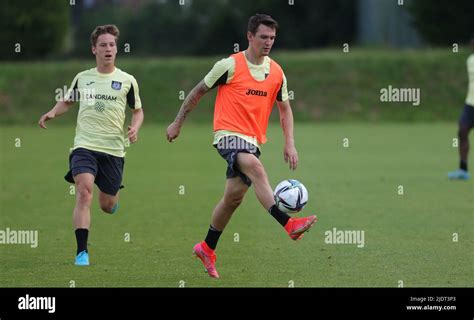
(251, 92)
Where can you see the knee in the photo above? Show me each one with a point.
(257, 171)
(84, 194)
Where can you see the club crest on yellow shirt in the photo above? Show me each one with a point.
(116, 85)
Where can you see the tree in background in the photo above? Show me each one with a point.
(205, 27)
(33, 29)
(308, 23)
(444, 22)
(200, 27)
(305, 24)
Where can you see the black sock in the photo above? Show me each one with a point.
(81, 238)
(279, 215)
(463, 165)
(212, 237)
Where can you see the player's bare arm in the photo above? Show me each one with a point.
(60, 108)
(191, 101)
(286, 120)
(136, 123)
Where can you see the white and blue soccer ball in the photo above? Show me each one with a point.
(290, 196)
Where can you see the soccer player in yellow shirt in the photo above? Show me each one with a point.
(466, 123)
(98, 152)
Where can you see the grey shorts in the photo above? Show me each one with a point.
(228, 148)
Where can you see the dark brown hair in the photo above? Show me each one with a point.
(100, 30)
(259, 19)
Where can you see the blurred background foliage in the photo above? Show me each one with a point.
(58, 28)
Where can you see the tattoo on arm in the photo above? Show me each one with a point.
(191, 101)
(282, 123)
(286, 120)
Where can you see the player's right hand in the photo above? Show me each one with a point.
(172, 132)
(45, 117)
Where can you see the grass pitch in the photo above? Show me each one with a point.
(421, 238)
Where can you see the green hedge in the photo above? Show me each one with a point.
(328, 85)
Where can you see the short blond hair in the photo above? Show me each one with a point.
(100, 30)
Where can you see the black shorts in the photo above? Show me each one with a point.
(107, 169)
(228, 148)
(467, 117)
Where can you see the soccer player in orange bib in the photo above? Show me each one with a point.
(249, 83)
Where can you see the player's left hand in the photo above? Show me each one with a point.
(132, 134)
(291, 156)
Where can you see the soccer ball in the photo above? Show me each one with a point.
(290, 196)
